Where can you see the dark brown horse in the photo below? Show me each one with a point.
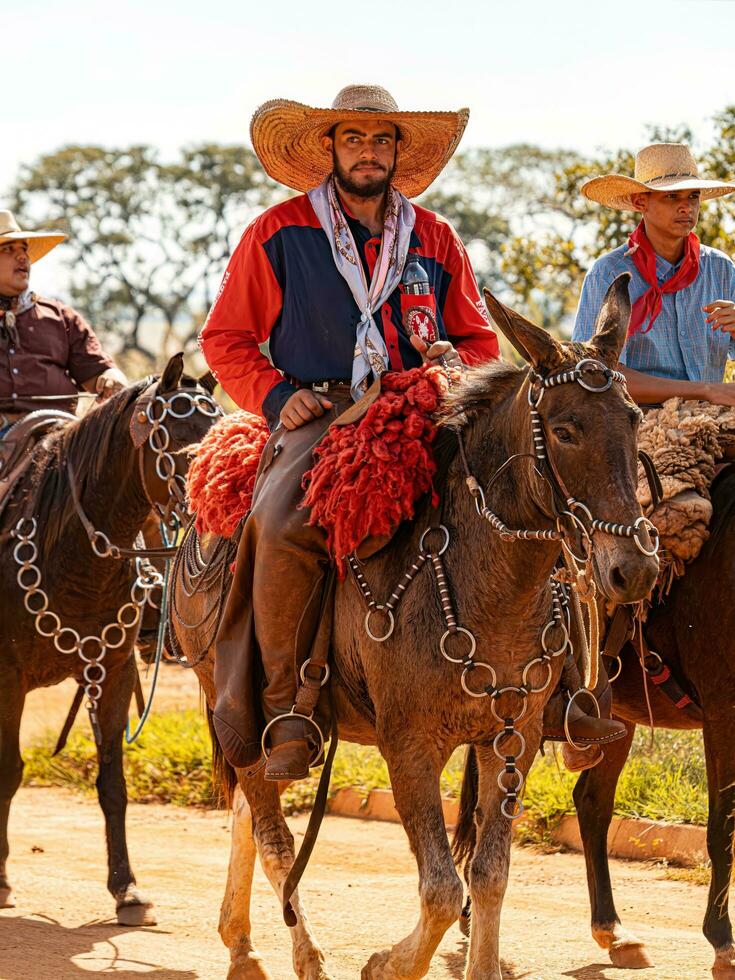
(74, 593)
(694, 631)
(402, 694)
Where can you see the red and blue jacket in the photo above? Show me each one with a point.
(282, 288)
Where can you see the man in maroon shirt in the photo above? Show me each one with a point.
(46, 348)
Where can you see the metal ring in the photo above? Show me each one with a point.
(31, 585)
(142, 590)
(190, 405)
(458, 660)
(653, 533)
(438, 527)
(581, 690)
(91, 665)
(104, 636)
(136, 611)
(83, 656)
(50, 615)
(90, 688)
(106, 544)
(302, 673)
(292, 714)
(618, 672)
(207, 406)
(481, 694)
(550, 672)
(168, 459)
(18, 529)
(600, 369)
(503, 734)
(149, 410)
(162, 439)
(25, 543)
(565, 644)
(511, 789)
(27, 601)
(73, 634)
(505, 690)
(512, 816)
(391, 623)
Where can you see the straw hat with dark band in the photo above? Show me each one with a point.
(660, 167)
(287, 137)
(39, 242)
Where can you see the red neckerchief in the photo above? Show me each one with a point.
(644, 257)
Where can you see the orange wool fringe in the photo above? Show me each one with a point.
(367, 476)
(219, 485)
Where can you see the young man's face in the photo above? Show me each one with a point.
(15, 268)
(673, 214)
(364, 156)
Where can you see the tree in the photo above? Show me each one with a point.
(148, 240)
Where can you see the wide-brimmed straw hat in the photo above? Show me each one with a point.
(287, 137)
(659, 167)
(39, 242)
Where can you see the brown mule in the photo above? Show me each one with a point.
(402, 695)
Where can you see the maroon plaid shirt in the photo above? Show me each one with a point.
(56, 353)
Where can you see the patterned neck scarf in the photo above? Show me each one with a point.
(10, 308)
(644, 257)
(371, 356)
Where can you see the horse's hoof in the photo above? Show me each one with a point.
(724, 965)
(630, 956)
(248, 966)
(7, 898)
(375, 969)
(133, 909)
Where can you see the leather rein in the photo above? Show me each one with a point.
(148, 430)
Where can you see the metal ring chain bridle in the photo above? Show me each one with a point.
(510, 779)
(90, 649)
(538, 385)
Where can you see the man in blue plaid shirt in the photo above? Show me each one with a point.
(682, 326)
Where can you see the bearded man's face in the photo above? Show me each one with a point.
(364, 156)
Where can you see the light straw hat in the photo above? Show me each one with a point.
(660, 167)
(287, 137)
(39, 242)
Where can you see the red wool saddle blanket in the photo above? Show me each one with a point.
(366, 478)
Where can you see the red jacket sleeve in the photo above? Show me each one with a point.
(465, 317)
(242, 317)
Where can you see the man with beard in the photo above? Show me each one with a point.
(319, 278)
(46, 348)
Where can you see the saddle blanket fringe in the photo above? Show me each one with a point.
(366, 478)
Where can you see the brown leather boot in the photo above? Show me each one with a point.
(291, 750)
(584, 729)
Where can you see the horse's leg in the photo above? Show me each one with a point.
(594, 797)
(414, 773)
(133, 909)
(276, 851)
(721, 784)
(234, 919)
(11, 767)
(490, 863)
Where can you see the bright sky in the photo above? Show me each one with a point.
(578, 74)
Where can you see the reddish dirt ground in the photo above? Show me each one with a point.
(360, 890)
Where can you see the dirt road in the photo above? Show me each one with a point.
(360, 891)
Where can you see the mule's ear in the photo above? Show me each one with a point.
(208, 381)
(172, 373)
(533, 344)
(611, 327)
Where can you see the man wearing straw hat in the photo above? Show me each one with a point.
(46, 348)
(321, 278)
(683, 293)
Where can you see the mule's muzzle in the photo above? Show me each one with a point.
(624, 573)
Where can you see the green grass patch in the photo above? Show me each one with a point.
(170, 763)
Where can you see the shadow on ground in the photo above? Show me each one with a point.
(45, 950)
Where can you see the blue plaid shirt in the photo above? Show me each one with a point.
(680, 345)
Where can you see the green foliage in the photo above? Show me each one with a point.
(170, 763)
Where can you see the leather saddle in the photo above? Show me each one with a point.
(18, 443)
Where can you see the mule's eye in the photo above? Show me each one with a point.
(563, 434)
